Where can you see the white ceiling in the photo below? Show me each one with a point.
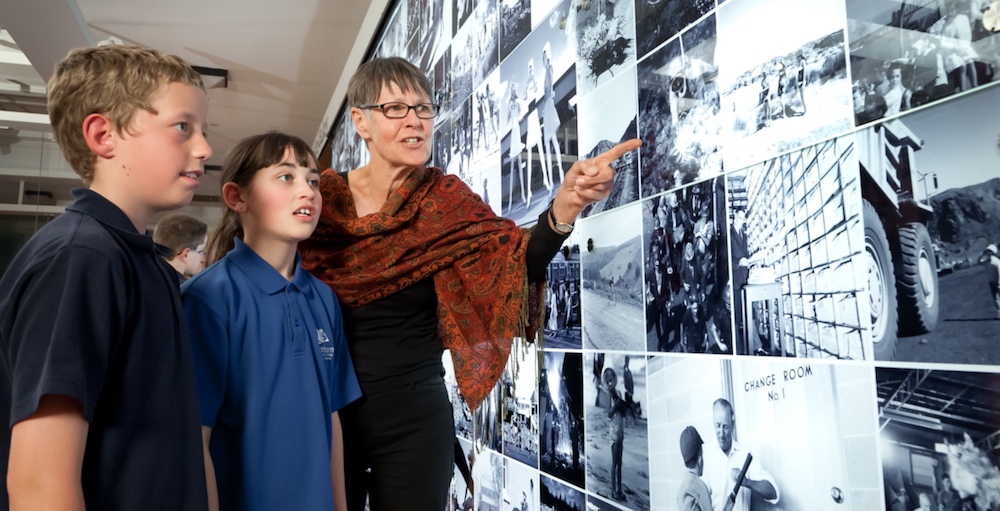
(288, 62)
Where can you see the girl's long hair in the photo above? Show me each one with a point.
(242, 163)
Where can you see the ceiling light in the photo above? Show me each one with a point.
(214, 78)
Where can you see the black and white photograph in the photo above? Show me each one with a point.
(487, 472)
(611, 264)
(441, 157)
(520, 489)
(396, 37)
(442, 85)
(562, 326)
(463, 416)
(605, 40)
(486, 104)
(686, 271)
(799, 258)
(463, 62)
(431, 31)
(598, 503)
(938, 437)
(485, 180)
(616, 428)
(557, 496)
(460, 496)
(460, 163)
(798, 435)
(485, 40)
(937, 200)
(679, 119)
(462, 11)
(657, 21)
(540, 10)
(348, 151)
(783, 81)
(486, 421)
(520, 404)
(907, 54)
(560, 406)
(539, 84)
(515, 23)
(606, 118)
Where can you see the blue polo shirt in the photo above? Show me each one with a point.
(89, 309)
(272, 366)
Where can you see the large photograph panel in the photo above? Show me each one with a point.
(802, 435)
(933, 185)
(605, 38)
(783, 81)
(538, 81)
(686, 271)
(679, 120)
(657, 21)
(611, 261)
(616, 431)
(938, 438)
(799, 261)
(908, 53)
(607, 117)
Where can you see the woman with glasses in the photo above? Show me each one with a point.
(420, 263)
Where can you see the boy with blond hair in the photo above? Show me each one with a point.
(185, 236)
(97, 381)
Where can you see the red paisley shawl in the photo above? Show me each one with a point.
(433, 225)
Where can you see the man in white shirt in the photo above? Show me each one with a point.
(723, 466)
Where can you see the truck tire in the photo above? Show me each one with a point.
(917, 281)
(881, 285)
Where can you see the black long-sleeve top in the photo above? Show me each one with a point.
(394, 340)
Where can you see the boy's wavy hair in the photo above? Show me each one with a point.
(113, 80)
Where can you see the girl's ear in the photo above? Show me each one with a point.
(233, 195)
(360, 120)
(100, 135)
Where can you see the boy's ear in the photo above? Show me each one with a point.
(360, 121)
(100, 135)
(233, 196)
(183, 254)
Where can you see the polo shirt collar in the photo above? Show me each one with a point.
(261, 273)
(93, 204)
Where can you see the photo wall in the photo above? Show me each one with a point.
(790, 299)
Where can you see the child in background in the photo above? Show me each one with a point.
(271, 361)
(97, 378)
(185, 236)
(616, 427)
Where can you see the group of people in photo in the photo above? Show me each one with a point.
(687, 286)
(939, 56)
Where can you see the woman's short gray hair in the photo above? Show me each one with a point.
(366, 84)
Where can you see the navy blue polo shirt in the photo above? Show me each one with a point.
(89, 309)
(272, 366)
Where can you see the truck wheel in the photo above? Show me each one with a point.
(881, 285)
(917, 282)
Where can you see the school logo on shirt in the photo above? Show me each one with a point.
(323, 341)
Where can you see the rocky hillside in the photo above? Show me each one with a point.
(967, 219)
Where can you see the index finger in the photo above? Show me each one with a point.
(617, 151)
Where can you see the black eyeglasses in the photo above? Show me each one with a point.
(401, 110)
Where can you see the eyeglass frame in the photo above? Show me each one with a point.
(381, 106)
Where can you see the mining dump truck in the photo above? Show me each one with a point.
(902, 268)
